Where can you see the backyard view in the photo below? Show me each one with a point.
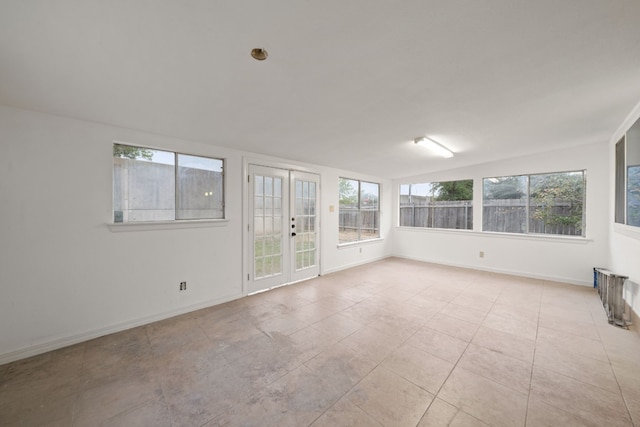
(359, 213)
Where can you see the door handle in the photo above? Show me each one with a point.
(293, 234)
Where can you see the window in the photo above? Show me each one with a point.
(550, 203)
(359, 213)
(156, 185)
(627, 208)
(446, 204)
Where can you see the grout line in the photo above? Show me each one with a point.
(624, 400)
(455, 365)
(533, 361)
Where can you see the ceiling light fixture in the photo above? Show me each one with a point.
(435, 147)
(259, 53)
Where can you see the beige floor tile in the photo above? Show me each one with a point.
(249, 413)
(284, 324)
(438, 344)
(395, 294)
(439, 414)
(345, 414)
(95, 405)
(285, 357)
(484, 399)
(337, 326)
(340, 367)
(505, 370)
(390, 399)
(584, 369)
(153, 413)
(520, 328)
(504, 343)
(401, 326)
(629, 380)
(264, 359)
(475, 300)
(309, 342)
(419, 367)
(514, 313)
(372, 343)
(462, 419)
(578, 398)
(540, 414)
(454, 327)
(585, 329)
(297, 399)
(463, 313)
(572, 343)
(440, 293)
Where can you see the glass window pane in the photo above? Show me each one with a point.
(200, 188)
(144, 184)
(505, 204)
(437, 205)
(633, 174)
(268, 186)
(556, 203)
(359, 210)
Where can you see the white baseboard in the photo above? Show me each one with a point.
(66, 341)
(355, 264)
(505, 271)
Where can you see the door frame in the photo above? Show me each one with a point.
(247, 263)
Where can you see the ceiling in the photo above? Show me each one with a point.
(348, 84)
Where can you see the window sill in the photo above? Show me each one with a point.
(533, 237)
(166, 225)
(627, 230)
(359, 242)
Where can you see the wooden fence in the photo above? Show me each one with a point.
(446, 214)
(508, 216)
(350, 218)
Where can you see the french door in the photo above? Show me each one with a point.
(283, 227)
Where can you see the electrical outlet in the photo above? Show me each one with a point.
(183, 286)
(481, 254)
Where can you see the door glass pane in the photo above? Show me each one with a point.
(268, 226)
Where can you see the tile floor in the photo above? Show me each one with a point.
(393, 343)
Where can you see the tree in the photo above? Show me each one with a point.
(453, 190)
(558, 198)
(508, 187)
(133, 153)
(348, 195)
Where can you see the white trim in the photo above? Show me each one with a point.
(65, 341)
(166, 225)
(627, 230)
(533, 237)
(503, 271)
(359, 242)
(356, 264)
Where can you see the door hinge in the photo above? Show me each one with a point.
(248, 178)
(247, 277)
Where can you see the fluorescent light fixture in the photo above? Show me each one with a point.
(438, 149)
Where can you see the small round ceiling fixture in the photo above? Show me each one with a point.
(259, 53)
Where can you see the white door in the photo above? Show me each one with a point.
(283, 227)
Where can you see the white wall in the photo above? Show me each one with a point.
(552, 258)
(66, 277)
(624, 245)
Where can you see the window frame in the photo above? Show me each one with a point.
(359, 206)
(622, 149)
(175, 222)
(527, 206)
